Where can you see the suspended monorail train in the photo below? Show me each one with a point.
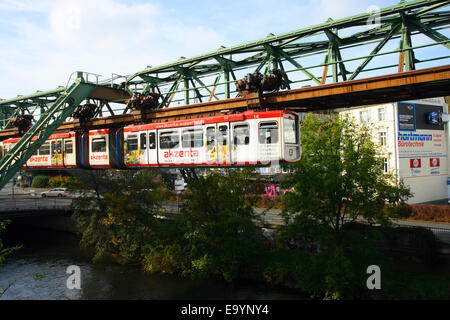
(251, 138)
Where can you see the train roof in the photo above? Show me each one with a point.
(53, 136)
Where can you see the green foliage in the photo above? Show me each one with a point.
(4, 252)
(218, 222)
(40, 182)
(63, 182)
(215, 233)
(119, 219)
(38, 276)
(420, 242)
(169, 258)
(338, 180)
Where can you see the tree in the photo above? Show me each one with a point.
(118, 214)
(338, 180)
(217, 230)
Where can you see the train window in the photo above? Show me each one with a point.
(68, 146)
(143, 141)
(223, 134)
(268, 132)
(241, 134)
(56, 146)
(99, 145)
(169, 140)
(210, 138)
(44, 149)
(290, 131)
(152, 140)
(192, 138)
(132, 143)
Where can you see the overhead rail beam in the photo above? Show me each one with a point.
(410, 85)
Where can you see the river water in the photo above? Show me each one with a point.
(38, 271)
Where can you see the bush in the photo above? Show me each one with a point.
(40, 182)
(427, 212)
(419, 241)
(63, 182)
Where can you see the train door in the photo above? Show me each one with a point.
(269, 142)
(68, 153)
(223, 144)
(152, 150)
(291, 139)
(240, 152)
(57, 153)
(211, 151)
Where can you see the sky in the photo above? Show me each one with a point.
(43, 42)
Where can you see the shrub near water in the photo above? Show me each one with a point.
(217, 233)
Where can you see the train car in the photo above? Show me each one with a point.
(256, 138)
(101, 148)
(249, 138)
(56, 152)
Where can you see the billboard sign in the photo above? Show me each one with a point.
(421, 142)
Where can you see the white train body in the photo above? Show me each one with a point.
(252, 138)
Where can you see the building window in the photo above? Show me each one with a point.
(381, 114)
(385, 165)
(364, 116)
(383, 138)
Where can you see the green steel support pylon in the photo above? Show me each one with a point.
(43, 128)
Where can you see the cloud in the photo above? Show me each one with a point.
(102, 37)
(24, 5)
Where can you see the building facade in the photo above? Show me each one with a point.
(414, 146)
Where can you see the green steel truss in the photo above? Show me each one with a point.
(43, 128)
(334, 51)
(404, 37)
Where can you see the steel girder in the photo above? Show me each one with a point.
(306, 55)
(400, 23)
(50, 120)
